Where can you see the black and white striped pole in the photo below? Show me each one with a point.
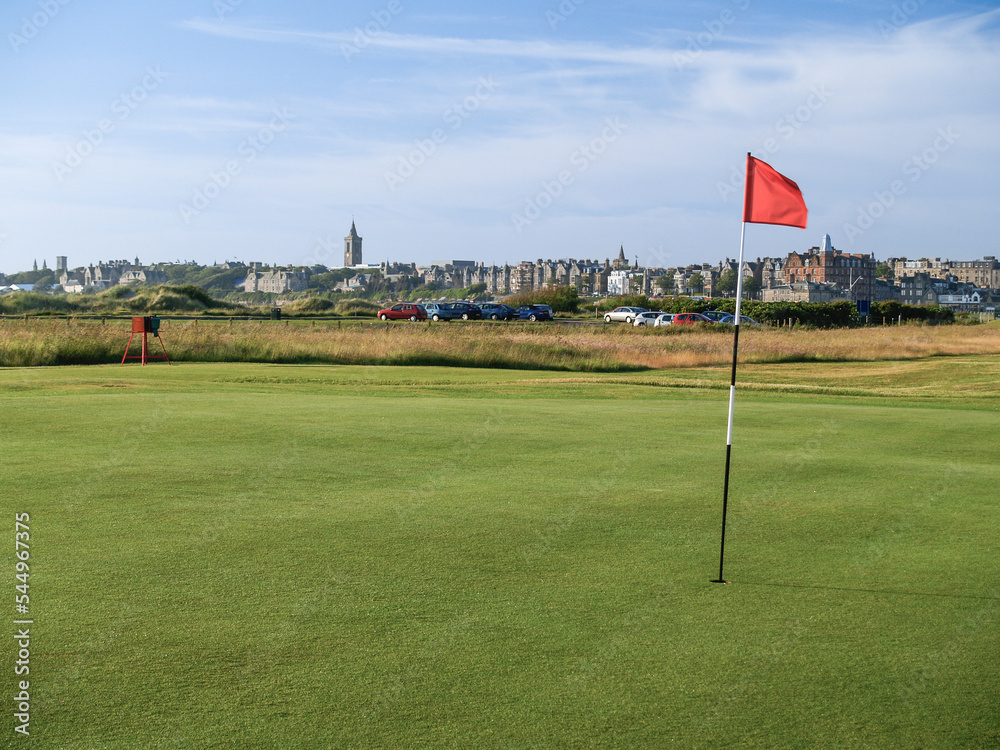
(732, 402)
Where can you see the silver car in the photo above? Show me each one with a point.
(664, 319)
(623, 314)
(647, 318)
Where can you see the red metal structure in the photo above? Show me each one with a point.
(145, 325)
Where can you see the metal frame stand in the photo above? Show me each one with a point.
(143, 328)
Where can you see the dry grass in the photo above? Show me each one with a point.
(518, 346)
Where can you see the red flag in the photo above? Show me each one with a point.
(771, 198)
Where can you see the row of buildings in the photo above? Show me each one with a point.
(819, 274)
(106, 275)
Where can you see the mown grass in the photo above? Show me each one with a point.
(582, 348)
(244, 555)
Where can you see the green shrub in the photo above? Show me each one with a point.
(119, 291)
(28, 303)
(891, 310)
(196, 294)
(628, 300)
(560, 299)
(310, 305)
(354, 306)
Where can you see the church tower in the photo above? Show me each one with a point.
(352, 248)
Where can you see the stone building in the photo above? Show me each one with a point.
(805, 291)
(106, 275)
(902, 267)
(142, 276)
(276, 280)
(984, 273)
(73, 282)
(352, 248)
(772, 272)
(960, 296)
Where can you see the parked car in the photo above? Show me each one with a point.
(664, 319)
(403, 311)
(497, 311)
(623, 314)
(533, 312)
(716, 316)
(647, 318)
(466, 311)
(689, 319)
(744, 320)
(437, 311)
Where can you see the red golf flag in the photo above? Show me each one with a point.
(771, 198)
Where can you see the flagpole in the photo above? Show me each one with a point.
(779, 201)
(732, 380)
(732, 402)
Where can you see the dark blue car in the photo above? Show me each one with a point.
(534, 312)
(466, 311)
(497, 311)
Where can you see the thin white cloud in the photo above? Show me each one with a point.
(535, 50)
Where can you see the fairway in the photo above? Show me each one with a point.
(311, 556)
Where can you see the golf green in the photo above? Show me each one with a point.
(236, 555)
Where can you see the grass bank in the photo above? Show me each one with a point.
(581, 348)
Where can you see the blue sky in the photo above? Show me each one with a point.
(256, 130)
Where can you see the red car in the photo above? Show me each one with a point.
(687, 319)
(403, 311)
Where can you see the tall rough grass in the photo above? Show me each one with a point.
(36, 342)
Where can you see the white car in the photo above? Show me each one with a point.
(663, 319)
(647, 318)
(623, 314)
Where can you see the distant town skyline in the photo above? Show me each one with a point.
(353, 243)
(232, 130)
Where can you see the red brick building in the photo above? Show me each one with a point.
(825, 265)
